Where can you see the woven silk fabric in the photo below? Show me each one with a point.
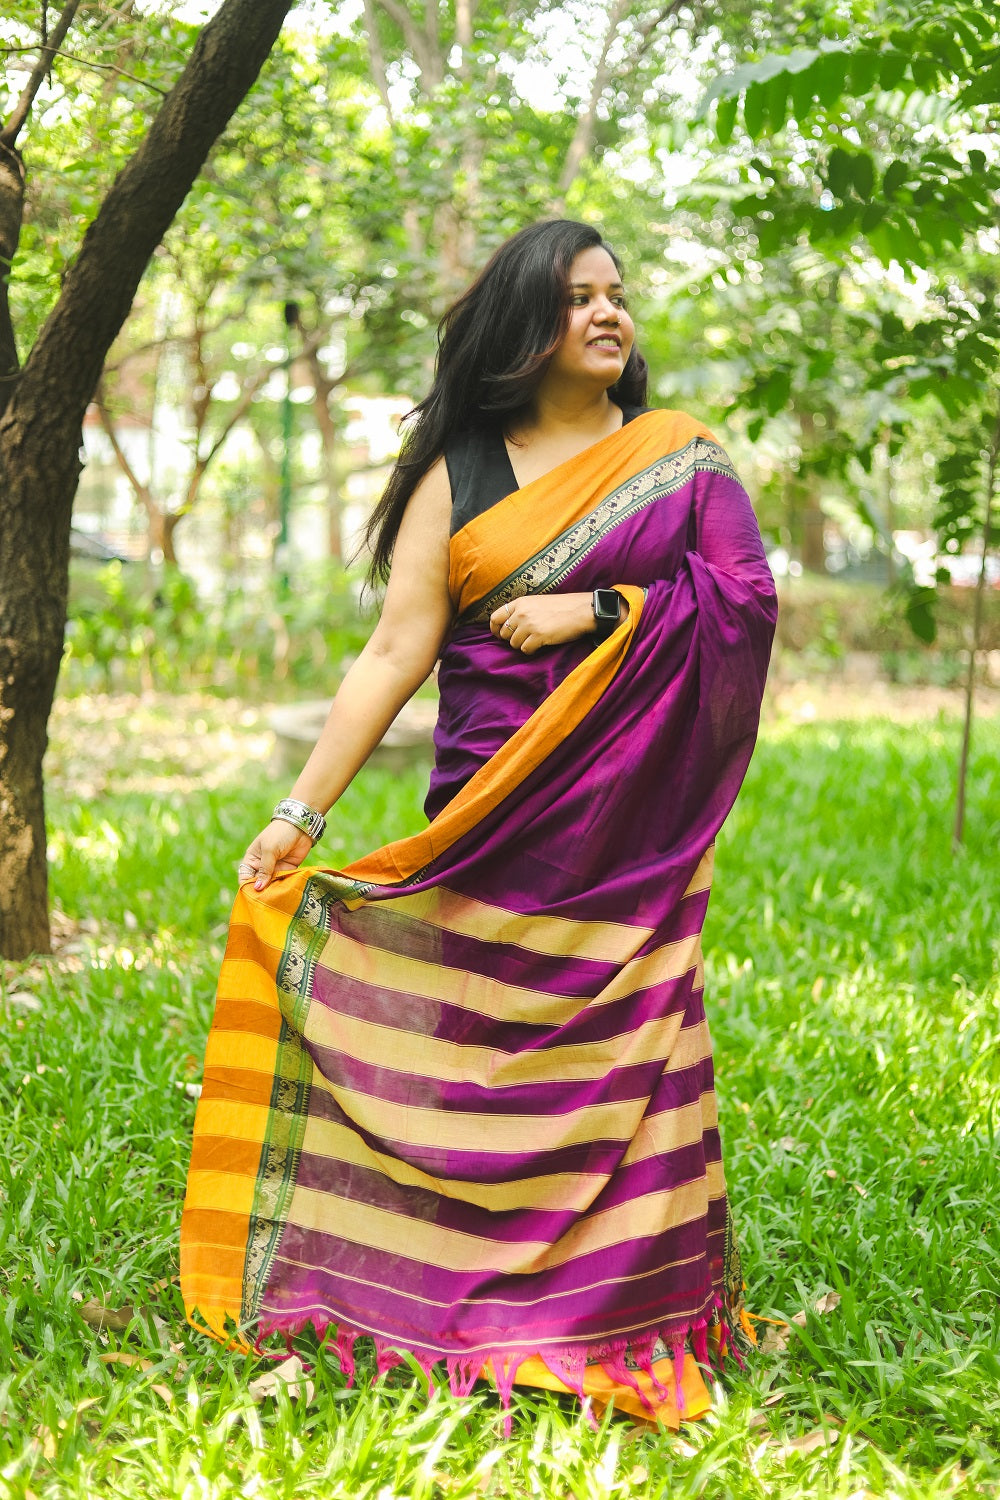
(459, 1096)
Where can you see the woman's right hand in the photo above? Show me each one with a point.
(281, 846)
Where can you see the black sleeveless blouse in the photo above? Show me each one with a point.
(480, 471)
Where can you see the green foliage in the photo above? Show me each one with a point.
(817, 614)
(872, 148)
(853, 992)
(133, 631)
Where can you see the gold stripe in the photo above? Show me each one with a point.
(667, 962)
(485, 996)
(701, 880)
(240, 1049)
(232, 1119)
(557, 1191)
(227, 1192)
(413, 1053)
(442, 1129)
(452, 1250)
(558, 937)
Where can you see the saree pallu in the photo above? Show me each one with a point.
(458, 1096)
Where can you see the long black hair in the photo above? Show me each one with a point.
(494, 346)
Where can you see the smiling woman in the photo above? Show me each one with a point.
(459, 1096)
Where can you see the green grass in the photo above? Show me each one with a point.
(852, 970)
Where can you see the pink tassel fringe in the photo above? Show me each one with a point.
(568, 1363)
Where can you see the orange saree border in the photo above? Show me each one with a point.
(526, 749)
(495, 544)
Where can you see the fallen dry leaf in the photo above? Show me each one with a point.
(99, 1316)
(47, 1439)
(827, 1302)
(116, 1357)
(800, 1319)
(774, 1340)
(290, 1374)
(25, 999)
(162, 1284)
(164, 1392)
(808, 1442)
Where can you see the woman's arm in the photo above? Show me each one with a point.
(416, 616)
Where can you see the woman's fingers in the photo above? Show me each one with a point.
(499, 619)
(279, 848)
(533, 621)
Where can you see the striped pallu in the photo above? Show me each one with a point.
(459, 1097)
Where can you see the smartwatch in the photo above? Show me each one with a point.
(607, 606)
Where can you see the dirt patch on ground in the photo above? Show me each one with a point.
(831, 698)
(166, 743)
(153, 742)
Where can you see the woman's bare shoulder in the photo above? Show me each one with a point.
(426, 525)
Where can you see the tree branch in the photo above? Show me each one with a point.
(430, 65)
(98, 289)
(583, 135)
(646, 33)
(238, 413)
(142, 491)
(89, 62)
(377, 58)
(47, 51)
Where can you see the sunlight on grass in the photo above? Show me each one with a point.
(852, 970)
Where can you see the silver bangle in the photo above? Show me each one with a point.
(301, 816)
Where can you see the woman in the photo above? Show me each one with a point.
(459, 1096)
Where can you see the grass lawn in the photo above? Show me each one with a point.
(852, 970)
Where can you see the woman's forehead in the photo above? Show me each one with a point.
(594, 267)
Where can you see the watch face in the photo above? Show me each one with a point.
(606, 604)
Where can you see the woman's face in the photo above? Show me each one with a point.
(600, 335)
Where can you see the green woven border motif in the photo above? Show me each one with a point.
(289, 1105)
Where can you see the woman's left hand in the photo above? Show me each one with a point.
(538, 620)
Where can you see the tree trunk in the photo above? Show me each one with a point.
(813, 520)
(813, 528)
(322, 391)
(11, 209)
(32, 619)
(977, 634)
(40, 430)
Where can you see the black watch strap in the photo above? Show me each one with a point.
(607, 607)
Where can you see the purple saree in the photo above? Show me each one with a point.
(459, 1097)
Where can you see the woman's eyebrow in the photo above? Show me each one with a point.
(588, 286)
